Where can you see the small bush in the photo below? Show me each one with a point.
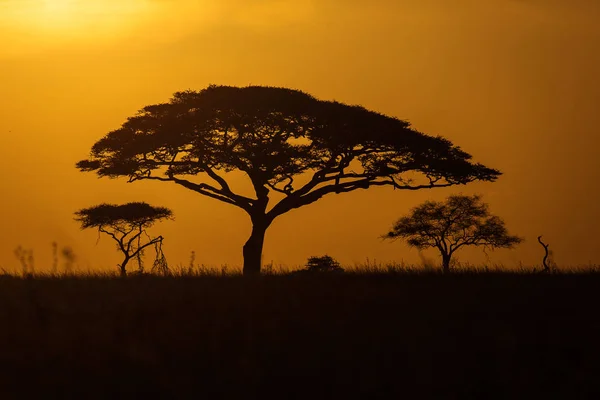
(323, 264)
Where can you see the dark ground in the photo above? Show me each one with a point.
(412, 336)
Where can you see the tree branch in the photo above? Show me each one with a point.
(544, 261)
(153, 241)
(137, 235)
(296, 200)
(287, 189)
(225, 188)
(119, 241)
(204, 189)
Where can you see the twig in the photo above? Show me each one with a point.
(544, 262)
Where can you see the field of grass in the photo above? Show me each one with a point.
(339, 336)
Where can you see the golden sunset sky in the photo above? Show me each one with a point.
(514, 82)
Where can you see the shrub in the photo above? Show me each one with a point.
(323, 264)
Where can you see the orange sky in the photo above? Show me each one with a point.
(514, 82)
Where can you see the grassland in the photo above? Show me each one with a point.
(341, 336)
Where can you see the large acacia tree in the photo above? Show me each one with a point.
(274, 136)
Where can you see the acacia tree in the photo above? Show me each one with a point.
(448, 226)
(285, 142)
(125, 224)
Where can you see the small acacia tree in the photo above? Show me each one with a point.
(126, 224)
(285, 142)
(448, 226)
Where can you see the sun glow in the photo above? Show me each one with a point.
(58, 7)
(73, 19)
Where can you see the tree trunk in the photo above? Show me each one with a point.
(123, 267)
(253, 248)
(446, 263)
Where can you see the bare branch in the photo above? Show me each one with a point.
(119, 241)
(203, 189)
(544, 261)
(294, 200)
(158, 239)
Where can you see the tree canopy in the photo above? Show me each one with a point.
(450, 225)
(136, 213)
(274, 136)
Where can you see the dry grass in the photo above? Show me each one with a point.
(386, 332)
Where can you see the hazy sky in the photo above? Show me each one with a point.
(513, 82)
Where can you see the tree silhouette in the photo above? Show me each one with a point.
(284, 141)
(125, 224)
(450, 225)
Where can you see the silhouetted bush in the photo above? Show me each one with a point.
(322, 264)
